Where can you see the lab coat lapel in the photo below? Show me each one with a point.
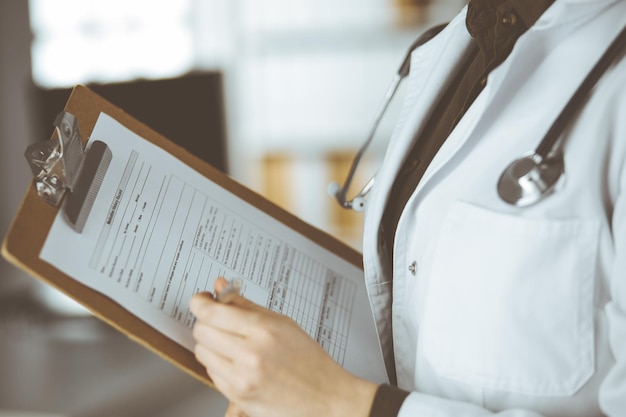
(424, 86)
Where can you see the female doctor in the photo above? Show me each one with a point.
(483, 306)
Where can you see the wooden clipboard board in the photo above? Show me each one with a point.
(34, 219)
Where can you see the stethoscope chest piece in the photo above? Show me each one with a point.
(529, 179)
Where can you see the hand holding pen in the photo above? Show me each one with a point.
(266, 365)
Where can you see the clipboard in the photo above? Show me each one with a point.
(28, 232)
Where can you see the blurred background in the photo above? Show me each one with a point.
(279, 94)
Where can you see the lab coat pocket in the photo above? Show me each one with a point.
(510, 302)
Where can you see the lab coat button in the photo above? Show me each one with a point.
(509, 19)
(413, 268)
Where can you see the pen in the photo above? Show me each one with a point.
(227, 294)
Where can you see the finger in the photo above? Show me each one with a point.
(221, 370)
(242, 302)
(235, 318)
(199, 302)
(217, 366)
(220, 284)
(223, 343)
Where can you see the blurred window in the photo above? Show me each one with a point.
(77, 41)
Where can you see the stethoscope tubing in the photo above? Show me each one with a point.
(340, 192)
(550, 141)
(536, 174)
(529, 179)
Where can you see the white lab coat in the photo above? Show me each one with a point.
(520, 311)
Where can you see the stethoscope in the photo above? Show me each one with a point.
(526, 180)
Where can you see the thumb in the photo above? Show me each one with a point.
(220, 285)
(229, 293)
(225, 290)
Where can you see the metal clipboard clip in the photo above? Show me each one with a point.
(62, 168)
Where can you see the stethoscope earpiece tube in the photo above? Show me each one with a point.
(340, 192)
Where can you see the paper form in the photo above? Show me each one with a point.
(159, 232)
